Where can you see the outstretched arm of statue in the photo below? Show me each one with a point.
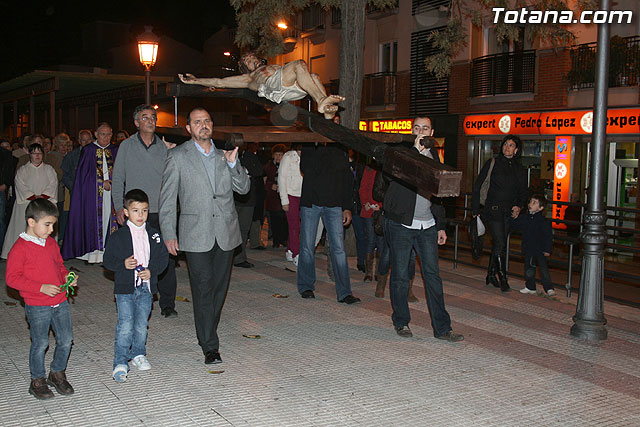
(241, 81)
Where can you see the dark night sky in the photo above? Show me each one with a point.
(37, 34)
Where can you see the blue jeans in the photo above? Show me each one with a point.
(332, 220)
(361, 243)
(369, 235)
(131, 330)
(40, 318)
(376, 242)
(384, 262)
(425, 242)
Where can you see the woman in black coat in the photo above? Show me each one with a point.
(506, 195)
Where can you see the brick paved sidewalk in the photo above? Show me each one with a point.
(320, 363)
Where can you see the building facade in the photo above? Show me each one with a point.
(517, 81)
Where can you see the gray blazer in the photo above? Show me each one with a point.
(205, 217)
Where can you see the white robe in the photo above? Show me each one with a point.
(30, 180)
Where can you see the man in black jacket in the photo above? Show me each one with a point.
(245, 205)
(412, 221)
(326, 193)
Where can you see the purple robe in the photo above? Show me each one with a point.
(84, 227)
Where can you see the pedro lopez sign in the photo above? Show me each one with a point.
(619, 121)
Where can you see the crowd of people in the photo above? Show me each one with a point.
(134, 202)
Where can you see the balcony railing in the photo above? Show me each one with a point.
(375, 12)
(624, 63)
(421, 6)
(312, 18)
(379, 89)
(511, 72)
(336, 17)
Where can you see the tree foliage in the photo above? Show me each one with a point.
(453, 37)
(257, 29)
(257, 21)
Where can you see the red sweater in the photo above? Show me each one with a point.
(30, 265)
(366, 192)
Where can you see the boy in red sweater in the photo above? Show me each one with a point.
(35, 268)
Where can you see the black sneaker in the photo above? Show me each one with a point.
(307, 294)
(169, 312)
(404, 331)
(211, 357)
(451, 337)
(350, 299)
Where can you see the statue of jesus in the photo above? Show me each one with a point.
(290, 82)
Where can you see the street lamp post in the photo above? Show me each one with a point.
(589, 319)
(148, 51)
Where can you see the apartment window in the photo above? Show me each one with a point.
(491, 45)
(388, 57)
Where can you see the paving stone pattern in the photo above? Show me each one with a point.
(321, 363)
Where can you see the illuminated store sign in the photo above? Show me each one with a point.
(619, 121)
(388, 126)
(562, 177)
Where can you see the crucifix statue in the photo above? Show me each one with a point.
(290, 82)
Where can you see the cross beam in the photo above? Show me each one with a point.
(409, 166)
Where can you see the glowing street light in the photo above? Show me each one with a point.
(282, 25)
(148, 51)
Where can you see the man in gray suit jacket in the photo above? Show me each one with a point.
(204, 179)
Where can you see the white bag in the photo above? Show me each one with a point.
(480, 225)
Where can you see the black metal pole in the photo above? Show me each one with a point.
(589, 319)
(147, 82)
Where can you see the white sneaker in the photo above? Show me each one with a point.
(288, 255)
(141, 363)
(120, 373)
(526, 290)
(551, 293)
(295, 260)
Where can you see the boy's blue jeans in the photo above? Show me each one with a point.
(530, 263)
(40, 318)
(131, 330)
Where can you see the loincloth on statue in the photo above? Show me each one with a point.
(275, 91)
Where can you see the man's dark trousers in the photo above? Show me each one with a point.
(209, 274)
(167, 283)
(401, 240)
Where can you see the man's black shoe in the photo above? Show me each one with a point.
(404, 331)
(169, 312)
(451, 337)
(350, 299)
(211, 357)
(244, 264)
(307, 294)
(361, 267)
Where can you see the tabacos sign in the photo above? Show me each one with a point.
(619, 121)
(562, 177)
(388, 126)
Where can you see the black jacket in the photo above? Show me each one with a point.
(6, 168)
(120, 246)
(357, 169)
(254, 168)
(508, 186)
(400, 201)
(537, 236)
(328, 180)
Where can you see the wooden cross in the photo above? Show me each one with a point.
(407, 165)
